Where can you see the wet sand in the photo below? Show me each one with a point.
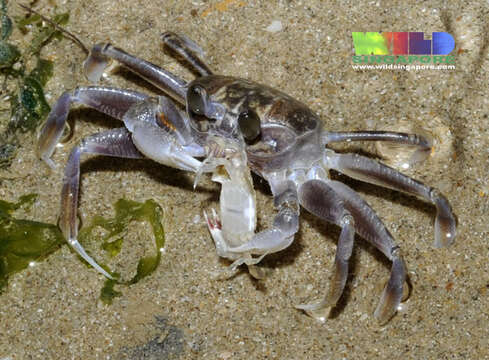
(52, 310)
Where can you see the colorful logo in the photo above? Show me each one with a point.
(402, 43)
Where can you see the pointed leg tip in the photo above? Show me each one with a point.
(445, 222)
(50, 163)
(315, 306)
(45, 156)
(318, 306)
(318, 310)
(383, 320)
(384, 313)
(81, 251)
(236, 264)
(393, 292)
(94, 67)
(388, 306)
(445, 231)
(257, 272)
(223, 274)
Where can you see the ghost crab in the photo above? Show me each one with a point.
(237, 126)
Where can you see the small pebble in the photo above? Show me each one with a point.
(275, 26)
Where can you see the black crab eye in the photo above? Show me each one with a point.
(195, 100)
(249, 125)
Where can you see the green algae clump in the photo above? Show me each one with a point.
(25, 106)
(23, 241)
(127, 211)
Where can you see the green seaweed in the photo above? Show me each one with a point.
(9, 54)
(108, 293)
(30, 107)
(6, 30)
(7, 152)
(44, 34)
(23, 241)
(127, 211)
(42, 72)
(27, 102)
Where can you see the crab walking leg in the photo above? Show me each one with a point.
(370, 227)
(101, 54)
(317, 197)
(115, 142)
(422, 144)
(187, 49)
(396, 137)
(371, 171)
(110, 101)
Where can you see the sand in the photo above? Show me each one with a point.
(52, 310)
